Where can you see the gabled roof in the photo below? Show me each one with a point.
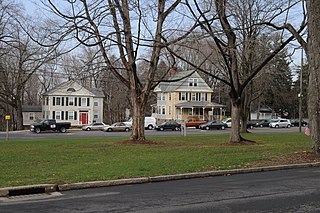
(31, 108)
(182, 85)
(73, 88)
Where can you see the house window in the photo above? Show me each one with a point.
(193, 82)
(163, 96)
(31, 116)
(202, 96)
(58, 101)
(70, 115)
(163, 110)
(95, 102)
(193, 96)
(169, 96)
(58, 115)
(95, 115)
(169, 110)
(159, 96)
(70, 101)
(83, 101)
(182, 96)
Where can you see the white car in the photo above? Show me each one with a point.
(277, 123)
(227, 121)
(149, 122)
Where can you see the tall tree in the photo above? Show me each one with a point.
(313, 54)
(312, 50)
(126, 28)
(227, 41)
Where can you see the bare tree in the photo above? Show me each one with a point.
(310, 10)
(125, 29)
(227, 41)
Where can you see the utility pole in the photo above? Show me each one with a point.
(300, 93)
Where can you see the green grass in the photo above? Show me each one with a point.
(76, 160)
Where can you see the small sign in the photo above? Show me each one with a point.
(7, 117)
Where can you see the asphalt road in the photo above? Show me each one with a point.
(75, 133)
(294, 190)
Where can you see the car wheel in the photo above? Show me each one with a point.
(161, 129)
(177, 128)
(277, 126)
(288, 126)
(223, 127)
(207, 128)
(109, 130)
(63, 129)
(150, 127)
(88, 129)
(303, 125)
(127, 129)
(37, 130)
(261, 125)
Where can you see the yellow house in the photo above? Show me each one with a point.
(186, 96)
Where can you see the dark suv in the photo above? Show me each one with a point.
(263, 123)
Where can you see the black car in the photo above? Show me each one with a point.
(263, 123)
(169, 125)
(295, 122)
(213, 125)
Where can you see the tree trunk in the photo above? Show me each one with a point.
(19, 116)
(244, 110)
(314, 71)
(138, 113)
(235, 127)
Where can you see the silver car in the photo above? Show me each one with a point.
(117, 127)
(94, 126)
(280, 123)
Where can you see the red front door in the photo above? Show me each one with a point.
(84, 118)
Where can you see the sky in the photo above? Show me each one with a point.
(295, 18)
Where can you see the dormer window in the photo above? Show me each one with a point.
(193, 82)
(71, 89)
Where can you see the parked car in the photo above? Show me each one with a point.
(94, 126)
(169, 125)
(263, 123)
(213, 125)
(277, 123)
(295, 122)
(149, 122)
(117, 127)
(227, 121)
(194, 123)
(49, 124)
(251, 124)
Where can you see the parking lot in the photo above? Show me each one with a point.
(77, 133)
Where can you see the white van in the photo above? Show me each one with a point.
(149, 122)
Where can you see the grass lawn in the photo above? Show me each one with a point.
(76, 160)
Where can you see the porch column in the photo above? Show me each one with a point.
(181, 115)
(220, 113)
(212, 108)
(203, 108)
(192, 112)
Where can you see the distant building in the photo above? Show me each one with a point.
(72, 102)
(184, 99)
(30, 114)
(263, 113)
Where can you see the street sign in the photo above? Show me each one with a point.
(7, 117)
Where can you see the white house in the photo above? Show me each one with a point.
(72, 102)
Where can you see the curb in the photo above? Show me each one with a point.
(48, 188)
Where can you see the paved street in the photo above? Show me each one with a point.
(75, 133)
(294, 190)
